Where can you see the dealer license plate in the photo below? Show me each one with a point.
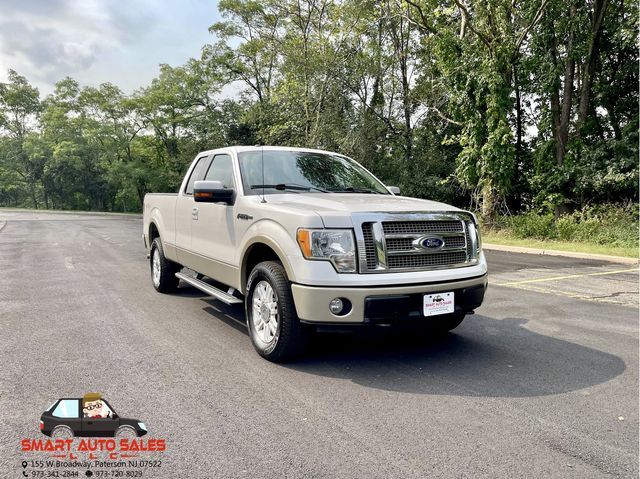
(439, 303)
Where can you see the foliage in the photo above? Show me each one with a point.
(605, 224)
(497, 105)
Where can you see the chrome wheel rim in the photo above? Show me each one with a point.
(155, 268)
(265, 312)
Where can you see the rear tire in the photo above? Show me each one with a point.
(163, 271)
(274, 327)
(62, 432)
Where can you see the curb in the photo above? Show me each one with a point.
(554, 252)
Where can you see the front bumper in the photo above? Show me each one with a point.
(377, 305)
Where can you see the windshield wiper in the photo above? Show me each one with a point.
(289, 186)
(351, 189)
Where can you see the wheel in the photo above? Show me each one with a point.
(448, 322)
(274, 328)
(62, 432)
(126, 432)
(163, 271)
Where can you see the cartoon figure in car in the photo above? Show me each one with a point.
(90, 415)
(93, 406)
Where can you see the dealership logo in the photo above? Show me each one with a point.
(88, 428)
(90, 415)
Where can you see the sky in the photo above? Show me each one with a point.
(98, 41)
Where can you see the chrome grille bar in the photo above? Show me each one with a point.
(390, 242)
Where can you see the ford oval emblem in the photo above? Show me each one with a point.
(431, 242)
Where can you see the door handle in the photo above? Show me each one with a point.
(194, 213)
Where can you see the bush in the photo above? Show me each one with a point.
(612, 225)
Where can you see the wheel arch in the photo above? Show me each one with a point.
(153, 232)
(261, 249)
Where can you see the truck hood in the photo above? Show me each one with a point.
(335, 209)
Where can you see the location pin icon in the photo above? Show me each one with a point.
(24, 464)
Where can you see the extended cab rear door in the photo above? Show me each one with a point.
(186, 209)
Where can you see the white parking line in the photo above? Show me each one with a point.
(569, 276)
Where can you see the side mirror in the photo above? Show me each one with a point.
(212, 192)
(394, 189)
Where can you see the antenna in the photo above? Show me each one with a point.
(262, 161)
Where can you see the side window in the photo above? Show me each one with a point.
(221, 170)
(196, 174)
(67, 408)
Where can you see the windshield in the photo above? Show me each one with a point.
(295, 171)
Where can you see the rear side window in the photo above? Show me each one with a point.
(67, 408)
(221, 170)
(196, 174)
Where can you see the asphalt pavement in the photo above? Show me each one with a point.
(541, 382)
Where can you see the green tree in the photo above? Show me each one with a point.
(19, 110)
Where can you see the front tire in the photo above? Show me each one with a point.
(163, 271)
(126, 432)
(274, 328)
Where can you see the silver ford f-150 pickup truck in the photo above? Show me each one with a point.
(307, 238)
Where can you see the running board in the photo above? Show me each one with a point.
(210, 290)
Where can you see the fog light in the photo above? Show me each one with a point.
(336, 306)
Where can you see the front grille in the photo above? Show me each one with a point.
(406, 244)
(455, 242)
(399, 244)
(391, 245)
(420, 227)
(369, 244)
(469, 244)
(407, 261)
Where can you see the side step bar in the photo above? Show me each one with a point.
(210, 290)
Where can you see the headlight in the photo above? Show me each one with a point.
(142, 426)
(337, 246)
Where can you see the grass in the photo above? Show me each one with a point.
(602, 229)
(503, 238)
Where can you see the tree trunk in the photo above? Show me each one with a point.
(34, 199)
(567, 95)
(561, 134)
(516, 85)
(488, 204)
(589, 69)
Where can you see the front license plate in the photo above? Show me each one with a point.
(439, 303)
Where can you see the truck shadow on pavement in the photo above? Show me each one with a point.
(484, 357)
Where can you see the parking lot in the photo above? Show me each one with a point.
(541, 382)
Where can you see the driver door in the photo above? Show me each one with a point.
(101, 426)
(213, 232)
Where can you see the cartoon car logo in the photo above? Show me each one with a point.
(438, 299)
(90, 415)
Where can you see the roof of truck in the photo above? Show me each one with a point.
(241, 148)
